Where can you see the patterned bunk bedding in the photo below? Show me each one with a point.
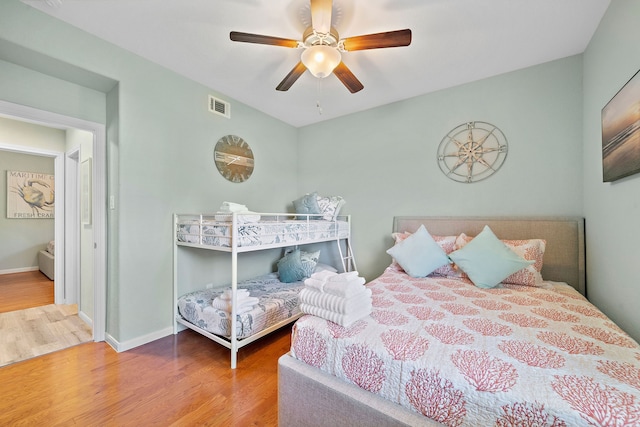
(466, 356)
(278, 301)
(259, 229)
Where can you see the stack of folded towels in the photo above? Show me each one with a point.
(229, 208)
(341, 298)
(244, 302)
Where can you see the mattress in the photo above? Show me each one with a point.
(465, 356)
(206, 230)
(277, 301)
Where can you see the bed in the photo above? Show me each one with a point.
(238, 233)
(278, 302)
(440, 350)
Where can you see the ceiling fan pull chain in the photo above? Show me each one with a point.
(318, 98)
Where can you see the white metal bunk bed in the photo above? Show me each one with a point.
(237, 233)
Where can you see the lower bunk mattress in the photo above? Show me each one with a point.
(277, 302)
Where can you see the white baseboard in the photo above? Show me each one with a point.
(18, 270)
(86, 319)
(136, 342)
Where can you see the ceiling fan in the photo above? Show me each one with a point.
(323, 46)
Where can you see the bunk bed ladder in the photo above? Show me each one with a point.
(348, 260)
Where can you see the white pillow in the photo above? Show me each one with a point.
(330, 206)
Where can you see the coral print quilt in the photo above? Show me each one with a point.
(466, 356)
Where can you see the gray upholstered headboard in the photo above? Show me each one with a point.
(564, 257)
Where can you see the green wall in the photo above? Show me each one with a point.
(160, 139)
(383, 161)
(26, 86)
(22, 239)
(611, 209)
(159, 147)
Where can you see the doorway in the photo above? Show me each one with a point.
(66, 266)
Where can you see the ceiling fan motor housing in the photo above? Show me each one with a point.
(312, 38)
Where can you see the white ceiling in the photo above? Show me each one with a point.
(454, 42)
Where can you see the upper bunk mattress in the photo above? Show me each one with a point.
(278, 301)
(466, 356)
(209, 231)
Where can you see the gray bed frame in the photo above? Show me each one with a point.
(310, 397)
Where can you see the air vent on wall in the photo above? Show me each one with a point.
(218, 106)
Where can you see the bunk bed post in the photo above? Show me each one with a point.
(175, 274)
(234, 288)
(347, 258)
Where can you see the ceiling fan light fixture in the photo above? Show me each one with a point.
(321, 60)
(323, 47)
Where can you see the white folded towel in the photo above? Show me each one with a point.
(323, 275)
(343, 276)
(317, 280)
(315, 283)
(239, 310)
(240, 293)
(344, 289)
(242, 218)
(335, 303)
(233, 207)
(241, 307)
(345, 320)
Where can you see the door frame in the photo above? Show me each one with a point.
(98, 208)
(72, 259)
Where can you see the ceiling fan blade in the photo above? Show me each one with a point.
(378, 40)
(237, 36)
(344, 74)
(291, 78)
(321, 15)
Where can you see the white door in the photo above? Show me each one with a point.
(72, 228)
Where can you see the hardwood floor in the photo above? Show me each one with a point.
(25, 290)
(181, 380)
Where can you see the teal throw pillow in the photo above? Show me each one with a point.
(290, 268)
(419, 255)
(307, 205)
(309, 261)
(487, 261)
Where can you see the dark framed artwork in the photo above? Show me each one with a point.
(621, 132)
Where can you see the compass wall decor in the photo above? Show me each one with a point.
(472, 152)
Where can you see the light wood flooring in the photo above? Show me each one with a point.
(25, 290)
(36, 331)
(181, 380)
